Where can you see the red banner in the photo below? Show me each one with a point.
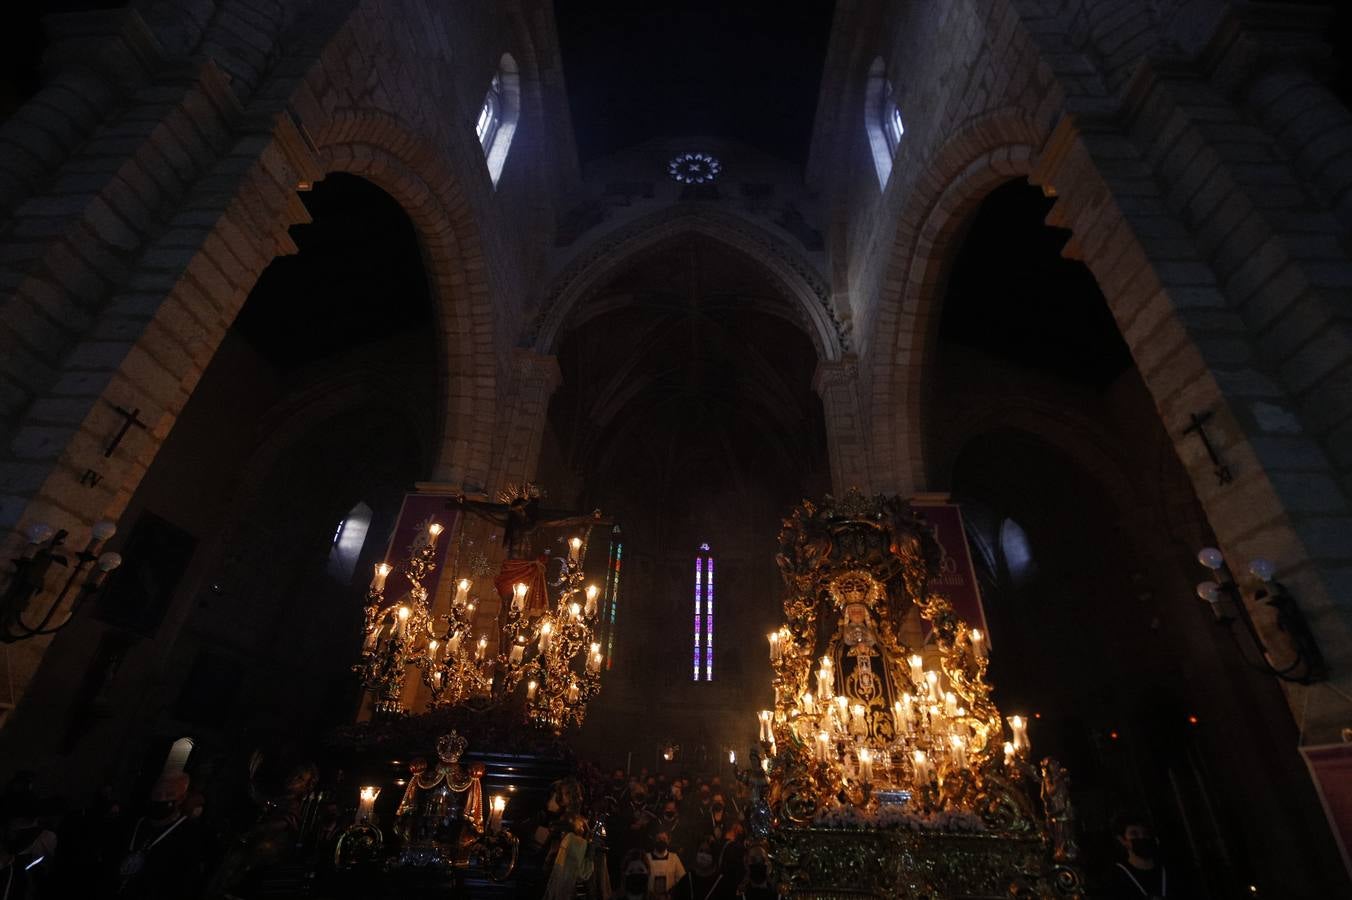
(956, 580)
(1331, 768)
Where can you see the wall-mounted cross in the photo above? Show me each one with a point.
(1222, 471)
(129, 419)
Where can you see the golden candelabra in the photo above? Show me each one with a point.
(551, 650)
(883, 725)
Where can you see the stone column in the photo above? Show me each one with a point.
(535, 377)
(837, 383)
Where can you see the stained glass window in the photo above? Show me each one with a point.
(702, 668)
(611, 599)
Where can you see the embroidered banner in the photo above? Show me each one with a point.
(957, 578)
(417, 512)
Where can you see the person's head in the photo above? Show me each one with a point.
(716, 781)
(704, 793)
(634, 875)
(23, 810)
(735, 833)
(1136, 837)
(617, 776)
(661, 843)
(677, 789)
(638, 793)
(669, 810)
(167, 795)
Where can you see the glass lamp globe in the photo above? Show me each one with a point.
(103, 530)
(1262, 569)
(1209, 591)
(109, 561)
(39, 532)
(1210, 557)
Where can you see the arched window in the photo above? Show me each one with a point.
(882, 120)
(496, 125)
(703, 669)
(348, 539)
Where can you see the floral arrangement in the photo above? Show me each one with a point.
(896, 816)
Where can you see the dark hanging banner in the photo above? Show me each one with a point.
(417, 512)
(957, 577)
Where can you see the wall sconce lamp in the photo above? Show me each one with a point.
(1308, 666)
(31, 572)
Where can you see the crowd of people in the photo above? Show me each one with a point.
(659, 837)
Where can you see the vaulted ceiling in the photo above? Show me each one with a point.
(688, 367)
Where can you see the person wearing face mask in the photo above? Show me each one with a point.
(1142, 874)
(664, 867)
(633, 884)
(669, 820)
(629, 829)
(704, 881)
(718, 818)
(163, 856)
(757, 885)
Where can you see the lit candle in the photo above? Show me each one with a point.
(574, 550)
(865, 765)
(594, 658)
(436, 679)
(546, 631)
(496, 807)
(917, 670)
(809, 704)
(519, 591)
(432, 650)
(765, 764)
(481, 646)
(573, 692)
(902, 713)
(433, 532)
(531, 688)
(592, 593)
(978, 645)
(842, 713)
(575, 610)
(857, 723)
(826, 679)
(950, 704)
(959, 750)
(766, 718)
(823, 746)
(518, 652)
(932, 686)
(1018, 727)
(378, 582)
(732, 757)
(1009, 753)
(922, 768)
(461, 592)
(368, 797)
(775, 652)
(453, 645)
(400, 620)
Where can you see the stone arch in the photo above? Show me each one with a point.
(988, 151)
(608, 254)
(378, 148)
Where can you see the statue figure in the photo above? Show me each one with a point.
(268, 841)
(519, 515)
(759, 818)
(431, 814)
(1060, 812)
(864, 673)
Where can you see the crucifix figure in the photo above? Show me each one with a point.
(519, 515)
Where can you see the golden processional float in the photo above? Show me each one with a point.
(459, 647)
(885, 769)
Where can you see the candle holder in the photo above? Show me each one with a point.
(31, 573)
